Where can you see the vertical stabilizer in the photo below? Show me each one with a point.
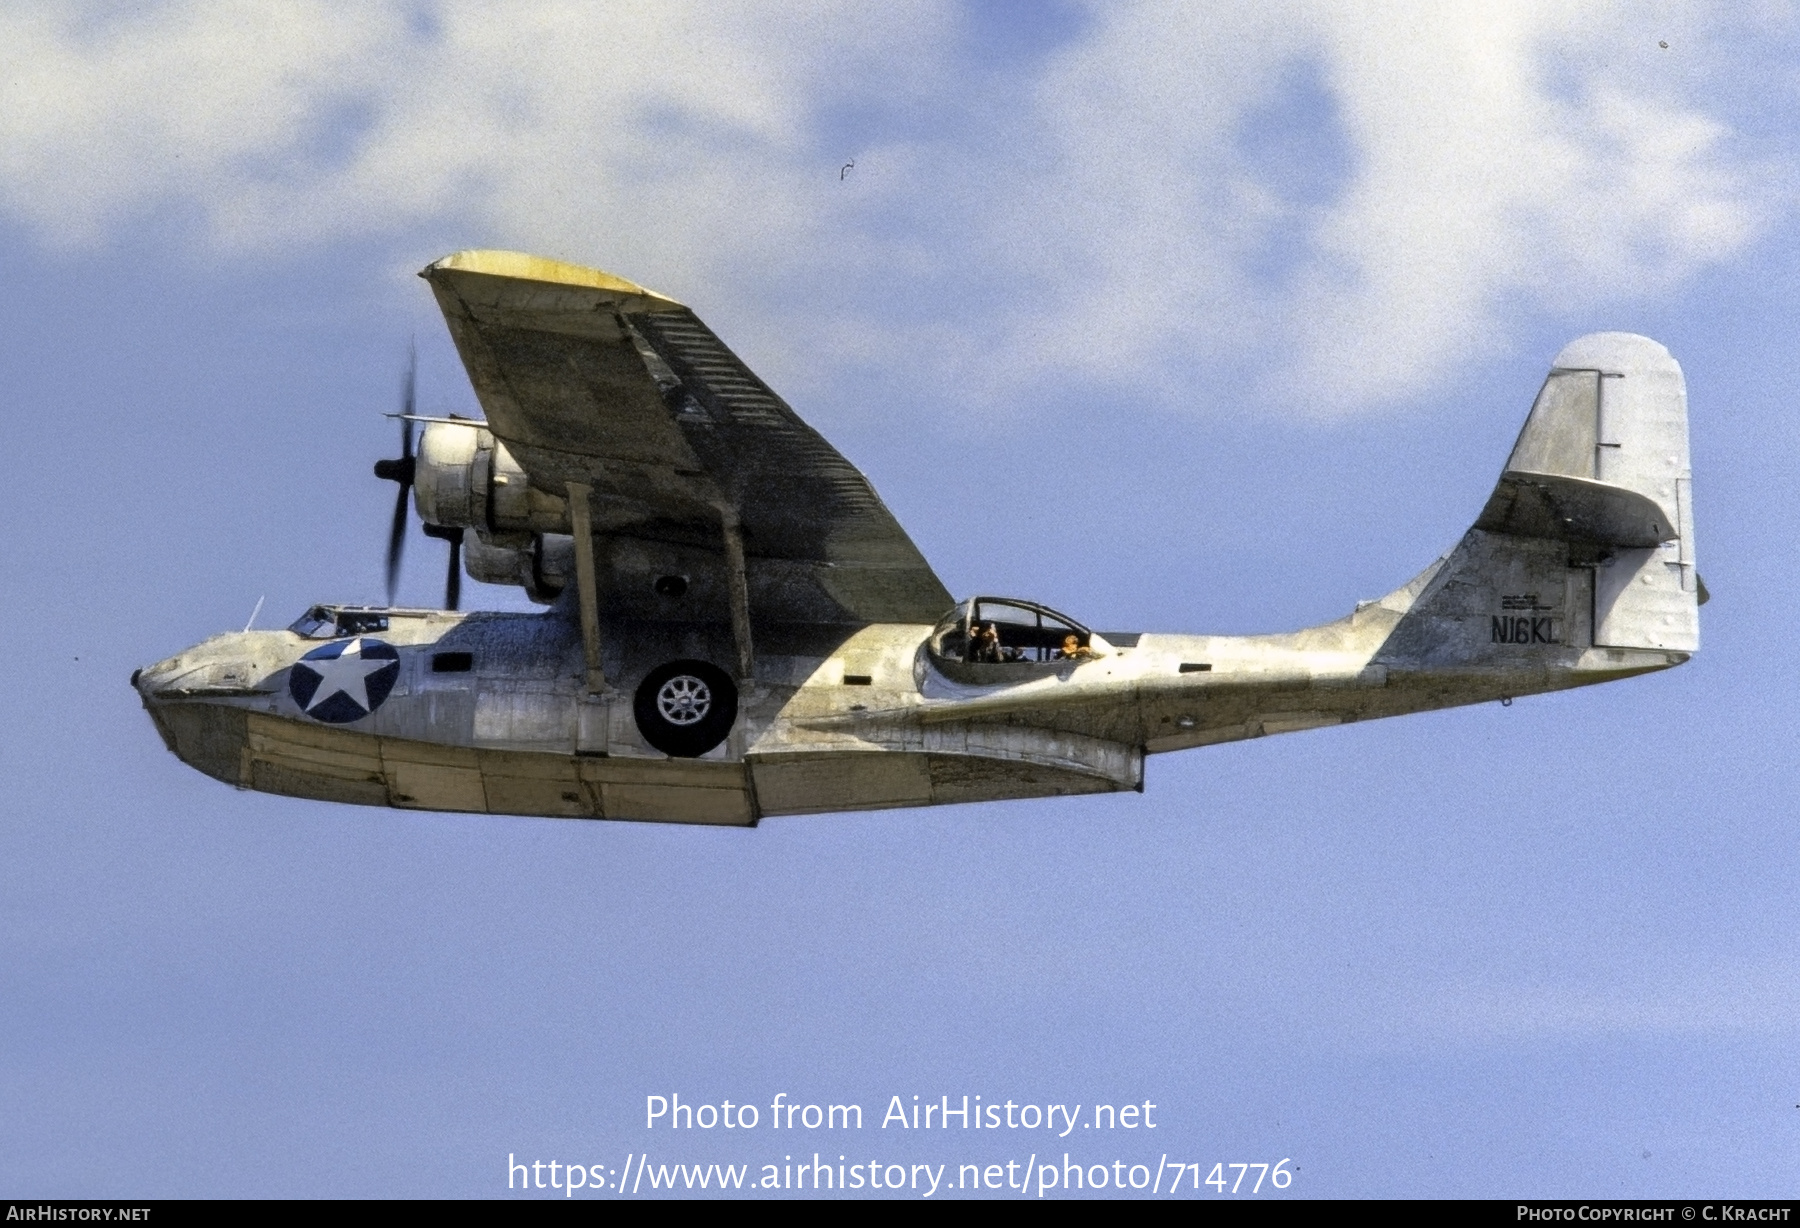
(1614, 411)
(1644, 596)
(1588, 539)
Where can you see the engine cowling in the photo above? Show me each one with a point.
(542, 566)
(465, 478)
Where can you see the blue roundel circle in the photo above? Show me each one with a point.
(344, 681)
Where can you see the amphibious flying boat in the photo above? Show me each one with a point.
(736, 626)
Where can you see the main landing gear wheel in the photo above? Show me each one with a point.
(685, 708)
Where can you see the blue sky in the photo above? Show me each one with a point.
(1175, 319)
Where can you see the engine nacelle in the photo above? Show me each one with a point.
(466, 478)
(542, 566)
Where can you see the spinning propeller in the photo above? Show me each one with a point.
(401, 471)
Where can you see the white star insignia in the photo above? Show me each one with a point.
(346, 672)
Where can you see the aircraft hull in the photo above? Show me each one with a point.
(296, 758)
(870, 725)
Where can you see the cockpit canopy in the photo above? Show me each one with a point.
(1006, 631)
(325, 622)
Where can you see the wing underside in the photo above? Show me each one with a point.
(589, 379)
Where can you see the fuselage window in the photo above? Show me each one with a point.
(452, 662)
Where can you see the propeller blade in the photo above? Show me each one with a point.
(401, 470)
(453, 581)
(396, 545)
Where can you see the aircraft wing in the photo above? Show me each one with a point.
(588, 378)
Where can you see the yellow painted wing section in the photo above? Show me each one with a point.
(543, 271)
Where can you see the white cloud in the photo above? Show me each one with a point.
(184, 102)
(1499, 154)
(1480, 184)
(1095, 217)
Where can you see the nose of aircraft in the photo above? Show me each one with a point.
(150, 679)
(221, 664)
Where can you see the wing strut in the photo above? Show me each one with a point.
(740, 592)
(582, 524)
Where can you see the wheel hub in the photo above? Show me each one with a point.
(684, 700)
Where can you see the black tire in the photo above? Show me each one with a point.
(685, 708)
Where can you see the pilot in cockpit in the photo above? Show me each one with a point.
(1074, 650)
(984, 646)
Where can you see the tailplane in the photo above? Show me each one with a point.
(1587, 542)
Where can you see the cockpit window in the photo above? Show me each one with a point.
(324, 623)
(316, 624)
(1003, 631)
(358, 622)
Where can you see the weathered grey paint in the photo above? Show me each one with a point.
(518, 734)
(1580, 569)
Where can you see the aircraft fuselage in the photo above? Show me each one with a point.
(833, 719)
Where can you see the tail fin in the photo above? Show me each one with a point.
(1587, 541)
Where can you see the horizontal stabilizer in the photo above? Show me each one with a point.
(1575, 509)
